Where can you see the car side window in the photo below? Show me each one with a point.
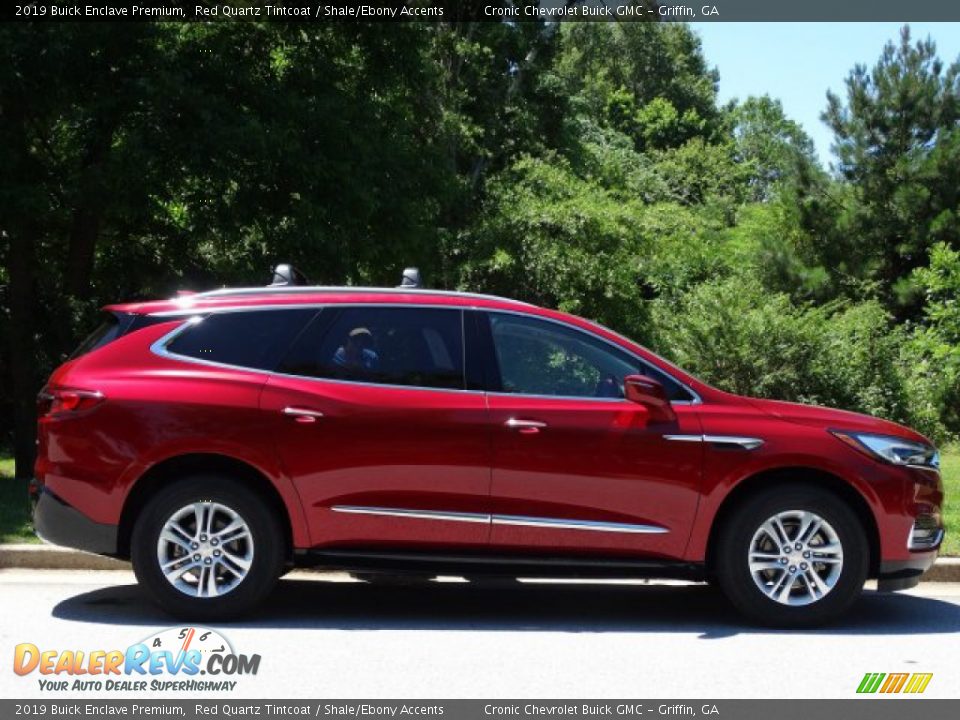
(538, 357)
(252, 338)
(420, 347)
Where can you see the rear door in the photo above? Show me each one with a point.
(373, 424)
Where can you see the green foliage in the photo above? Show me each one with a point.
(553, 238)
(776, 148)
(899, 153)
(747, 340)
(935, 345)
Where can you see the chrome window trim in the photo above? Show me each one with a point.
(159, 346)
(747, 443)
(499, 519)
(197, 314)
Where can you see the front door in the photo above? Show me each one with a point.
(374, 427)
(576, 467)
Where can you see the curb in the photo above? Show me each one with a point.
(54, 557)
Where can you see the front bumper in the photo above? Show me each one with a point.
(904, 574)
(62, 524)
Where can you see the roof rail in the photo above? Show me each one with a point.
(411, 278)
(316, 289)
(287, 275)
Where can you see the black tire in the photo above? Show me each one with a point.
(731, 558)
(265, 531)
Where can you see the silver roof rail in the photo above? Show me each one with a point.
(314, 289)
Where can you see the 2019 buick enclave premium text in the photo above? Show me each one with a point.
(217, 439)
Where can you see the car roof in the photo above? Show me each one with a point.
(243, 298)
(189, 304)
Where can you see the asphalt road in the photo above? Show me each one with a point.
(324, 636)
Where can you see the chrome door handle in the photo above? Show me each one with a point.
(302, 415)
(527, 427)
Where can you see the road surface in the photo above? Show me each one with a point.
(326, 636)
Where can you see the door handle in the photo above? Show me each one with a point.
(527, 427)
(302, 415)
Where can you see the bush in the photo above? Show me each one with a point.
(740, 337)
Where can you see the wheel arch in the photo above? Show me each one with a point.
(154, 478)
(816, 477)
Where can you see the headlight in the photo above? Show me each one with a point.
(891, 449)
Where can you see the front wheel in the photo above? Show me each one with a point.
(207, 548)
(793, 556)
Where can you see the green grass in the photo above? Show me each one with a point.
(15, 508)
(950, 469)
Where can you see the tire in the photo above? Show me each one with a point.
(244, 567)
(804, 587)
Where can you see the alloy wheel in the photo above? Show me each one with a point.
(205, 549)
(795, 557)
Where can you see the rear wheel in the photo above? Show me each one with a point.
(207, 548)
(792, 556)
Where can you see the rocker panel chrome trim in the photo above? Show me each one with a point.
(413, 514)
(512, 520)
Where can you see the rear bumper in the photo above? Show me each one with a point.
(904, 574)
(62, 524)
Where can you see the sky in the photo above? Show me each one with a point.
(798, 62)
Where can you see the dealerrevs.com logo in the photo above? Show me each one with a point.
(186, 659)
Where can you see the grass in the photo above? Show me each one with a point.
(15, 508)
(950, 469)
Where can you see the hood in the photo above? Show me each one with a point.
(834, 419)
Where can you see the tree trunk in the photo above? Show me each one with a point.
(20, 265)
(87, 214)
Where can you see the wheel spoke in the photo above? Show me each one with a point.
(176, 572)
(784, 535)
(177, 528)
(235, 563)
(771, 530)
(168, 536)
(813, 576)
(809, 527)
(237, 530)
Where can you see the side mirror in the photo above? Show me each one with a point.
(648, 392)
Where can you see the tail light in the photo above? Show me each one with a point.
(65, 401)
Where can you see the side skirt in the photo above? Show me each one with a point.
(449, 563)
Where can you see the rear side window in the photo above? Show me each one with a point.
(113, 326)
(109, 329)
(421, 347)
(252, 339)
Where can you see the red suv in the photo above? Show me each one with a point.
(217, 439)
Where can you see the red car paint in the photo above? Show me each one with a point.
(451, 450)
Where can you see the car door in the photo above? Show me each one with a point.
(374, 427)
(576, 467)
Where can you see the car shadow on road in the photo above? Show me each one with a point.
(514, 606)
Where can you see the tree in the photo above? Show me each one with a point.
(776, 148)
(898, 149)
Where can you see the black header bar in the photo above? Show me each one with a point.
(314, 11)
